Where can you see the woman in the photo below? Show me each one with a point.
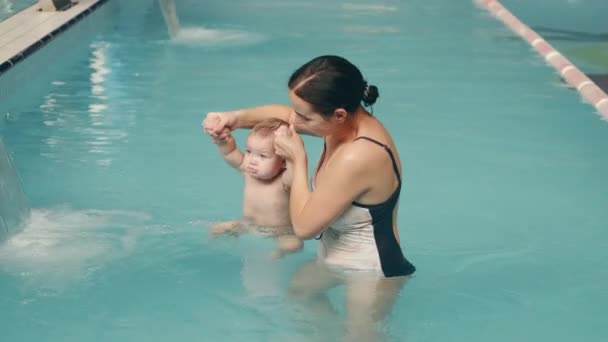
(352, 208)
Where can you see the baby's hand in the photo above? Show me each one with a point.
(287, 244)
(222, 138)
(233, 228)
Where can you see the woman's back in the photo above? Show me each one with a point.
(364, 236)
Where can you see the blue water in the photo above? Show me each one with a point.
(10, 7)
(503, 210)
(14, 209)
(575, 27)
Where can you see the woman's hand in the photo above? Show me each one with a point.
(288, 144)
(219, 124)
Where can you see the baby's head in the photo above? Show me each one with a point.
(260, 160)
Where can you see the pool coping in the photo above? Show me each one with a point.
(588, 90)
(25, 45)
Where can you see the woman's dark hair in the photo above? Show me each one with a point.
(332, 82)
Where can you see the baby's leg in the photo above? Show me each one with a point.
(234, 228)
(287, 244)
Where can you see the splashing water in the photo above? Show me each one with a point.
(216, 37)
(60, 244)
(201, 35)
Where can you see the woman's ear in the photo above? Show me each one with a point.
(340, 115)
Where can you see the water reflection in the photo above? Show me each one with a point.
(98, 108)
(369, 8)
(78, 113)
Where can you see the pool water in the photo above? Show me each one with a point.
(503, 210)
(574, 27)
(10, 7)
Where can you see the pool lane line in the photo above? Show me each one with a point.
(588, 90)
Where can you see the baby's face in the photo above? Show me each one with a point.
(260, 160)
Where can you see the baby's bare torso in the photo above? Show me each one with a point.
(266, 203)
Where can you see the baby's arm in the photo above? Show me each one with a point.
(234, 228)
(229, 151)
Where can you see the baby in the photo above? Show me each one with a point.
(267, 185)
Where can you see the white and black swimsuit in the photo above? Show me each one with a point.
(362, 238)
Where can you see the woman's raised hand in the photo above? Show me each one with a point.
(288, 144)
(216, 124)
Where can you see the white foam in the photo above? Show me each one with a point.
(216, 37)
(59, 244)
(369, 7)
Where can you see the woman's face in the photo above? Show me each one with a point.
(305, 118)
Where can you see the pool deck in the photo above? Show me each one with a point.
(30, 29)
(589, 90)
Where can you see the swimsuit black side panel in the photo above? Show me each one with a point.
(392, 260)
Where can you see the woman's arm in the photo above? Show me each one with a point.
(249, 117)
(216, 122)
(341, 184)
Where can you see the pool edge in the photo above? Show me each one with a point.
(20, 56)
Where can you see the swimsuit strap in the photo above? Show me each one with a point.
(387, 149)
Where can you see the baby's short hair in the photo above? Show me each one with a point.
(267, 128)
